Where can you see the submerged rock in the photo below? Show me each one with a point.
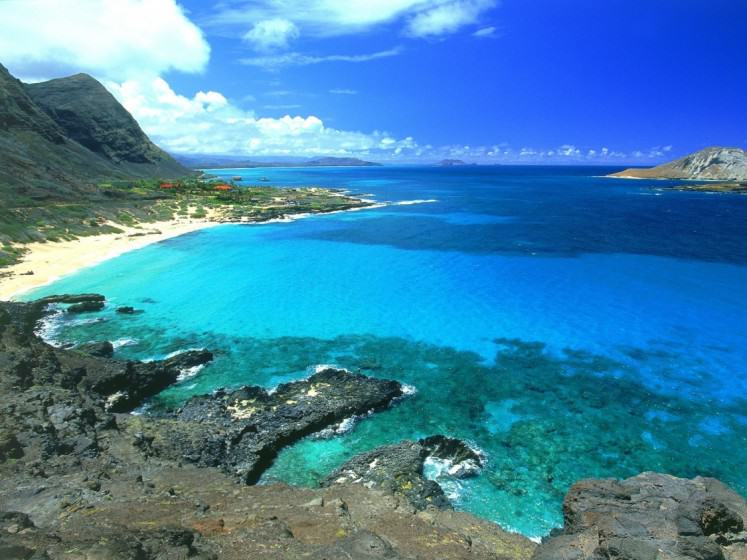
(650, 516)
(398, 469)
(127, 310)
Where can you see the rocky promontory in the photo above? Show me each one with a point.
(710, 164)
(82, 477)
(242, 431)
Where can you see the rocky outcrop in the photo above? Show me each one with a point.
(55, 401)
(717, 164)
(399, 469)
(242, 431)
(650, 517)
(81, 481)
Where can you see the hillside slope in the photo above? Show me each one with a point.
(91, 116)
(717, 164)
(58, 138)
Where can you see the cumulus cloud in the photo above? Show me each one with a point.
(208, 123)
(325, 18)
(275, 62)
(270, 34)
(116, 39)
(564, 154)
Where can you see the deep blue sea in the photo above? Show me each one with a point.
(568, 325)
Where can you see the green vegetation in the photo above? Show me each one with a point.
(115, 204)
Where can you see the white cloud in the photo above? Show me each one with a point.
(275, 62)
(486, 32)
(343, 91)
(270, 34)
(446, 17)
(116, 39)
(209, 123)
(325, 18)
(565, 154)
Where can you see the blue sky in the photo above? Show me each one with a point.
(534, 81)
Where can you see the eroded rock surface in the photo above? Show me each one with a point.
(242, 431)
(399, 469)
(650, 517)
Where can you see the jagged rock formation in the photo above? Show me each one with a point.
(242, 431)
(58, 138)
(650, 517)
(718, 164)
(398, 469)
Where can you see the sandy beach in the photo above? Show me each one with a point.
(50, 261)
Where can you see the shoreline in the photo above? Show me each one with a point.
(50, 261)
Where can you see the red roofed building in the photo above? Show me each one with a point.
(223, 188)
(168, 185)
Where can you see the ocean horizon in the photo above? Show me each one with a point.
(565, 324)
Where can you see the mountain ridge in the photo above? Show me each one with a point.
(58, 138)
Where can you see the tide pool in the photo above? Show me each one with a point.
(568, 325)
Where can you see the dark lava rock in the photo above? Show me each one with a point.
(242, 431)
(99, 349)
(86, 307)
(10, 448)
(127, 310)
(127, 384)
(398, 469)
(70, 298)
(464, 461)
(56, 401)
(650, 516)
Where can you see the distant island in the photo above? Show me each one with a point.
(452, 163)
(218, 162)
(726, 165)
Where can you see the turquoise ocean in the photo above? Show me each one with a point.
(566, 324)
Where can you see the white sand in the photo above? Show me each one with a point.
(50, 261)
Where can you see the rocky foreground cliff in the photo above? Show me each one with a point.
(83, 477)
(710, 164)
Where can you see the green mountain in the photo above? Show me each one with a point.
(73, 162)
(60, 138)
